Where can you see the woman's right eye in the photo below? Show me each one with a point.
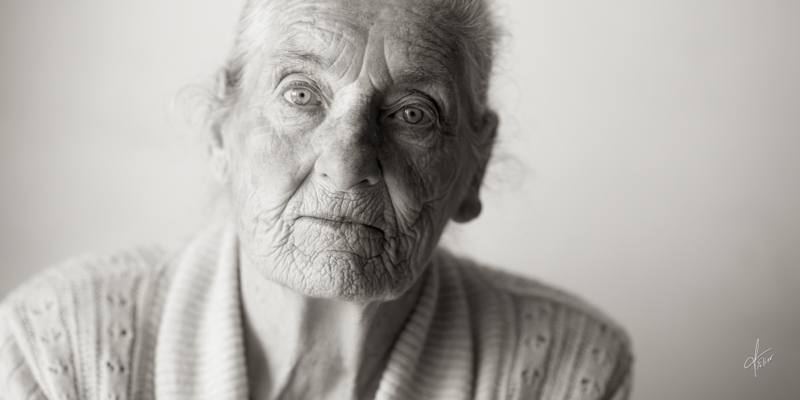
(301, 96)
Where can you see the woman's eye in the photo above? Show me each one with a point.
(414, 116)
(301, 96)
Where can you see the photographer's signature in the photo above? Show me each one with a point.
(757, 361)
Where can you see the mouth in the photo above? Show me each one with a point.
(337, 221)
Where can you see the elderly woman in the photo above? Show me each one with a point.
(348, 133)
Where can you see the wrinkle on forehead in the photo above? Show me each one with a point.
(330, 30)
(323, 21)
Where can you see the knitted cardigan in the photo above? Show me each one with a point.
(149, 324)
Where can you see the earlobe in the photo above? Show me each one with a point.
(218, 164)
(469, 209)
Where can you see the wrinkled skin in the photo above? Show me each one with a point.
(345, 196)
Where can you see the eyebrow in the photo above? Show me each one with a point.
(288, 56)
(416, 76)
(411, 76)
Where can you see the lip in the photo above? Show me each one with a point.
(340, 219)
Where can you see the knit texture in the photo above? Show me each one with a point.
(150, 324)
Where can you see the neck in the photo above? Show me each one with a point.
(301, 347)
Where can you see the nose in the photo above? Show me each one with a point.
(349, 160)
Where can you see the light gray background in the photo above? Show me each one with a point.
(648, 161)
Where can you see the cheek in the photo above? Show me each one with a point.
(422, 178)
(267, 166)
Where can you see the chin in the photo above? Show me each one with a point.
(339, 275)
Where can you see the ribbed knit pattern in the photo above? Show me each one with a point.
(200, 352)
(147, 324)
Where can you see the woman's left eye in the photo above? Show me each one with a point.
(301, 96)
(413, 115)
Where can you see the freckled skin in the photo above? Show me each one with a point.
(343, 198)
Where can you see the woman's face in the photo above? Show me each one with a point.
(348, 152)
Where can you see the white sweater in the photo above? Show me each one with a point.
(149, 324)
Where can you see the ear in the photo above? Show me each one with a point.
(218, 160)
(470, 206)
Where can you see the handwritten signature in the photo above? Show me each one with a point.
(757, 361)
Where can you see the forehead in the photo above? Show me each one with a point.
(405, 36)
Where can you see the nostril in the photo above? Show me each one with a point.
(345, 166)
(366, 182)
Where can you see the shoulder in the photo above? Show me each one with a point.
(87, 318)
(558, 344)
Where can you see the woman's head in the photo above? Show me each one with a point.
(349, 133)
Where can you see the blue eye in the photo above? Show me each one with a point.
(301, 96)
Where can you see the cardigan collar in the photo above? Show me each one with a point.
(200, 352)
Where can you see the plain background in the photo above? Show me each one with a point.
(648, 161)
